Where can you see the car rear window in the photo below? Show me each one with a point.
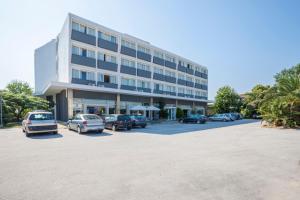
(41, 116)
(91, 117)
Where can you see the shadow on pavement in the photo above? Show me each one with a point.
(177, 128)
(45, 136)
(95, 134)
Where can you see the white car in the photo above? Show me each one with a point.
(39, 122)
(83, 123)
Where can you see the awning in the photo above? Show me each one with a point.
(152, 108)
(138, 108)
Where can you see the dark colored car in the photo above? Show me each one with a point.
(199, 119)
(118, 121)
(138, 121)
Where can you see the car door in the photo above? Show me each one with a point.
(75, 122)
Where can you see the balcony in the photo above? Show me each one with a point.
(159, 77)
(83, 82)
(128, 51)
(82, 37)
(158, 91)
(198, 85)
(181, 82)
(190, 71)
(170, 79)
(82, 60)
(158, 61)
(141, 89)
(144, 56)
(128, 70)
(181, 68)
(181, 94)
(107, 65)
(107, 85)
(189, 84)
(189, 95)
(200, 97)
(205, 76)
(200, 74)
(170, 93)
(143, 73)
(169, 64)
(105, 44)
(128, 87)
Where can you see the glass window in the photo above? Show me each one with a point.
(169, 73)
(158, 86)
(90, 76)
(107, 37)
(100, 77)
(110, 58)
(91, 31)
(143, 84)
(188, 78)
(129, 82)
(113, 79)
(41, 116)
(128, 44)
(158, 70)
(78, 27)
(143, 66)
(90, 54)
(128, 63)
(143, 49)
(182, 63)
(75, 73)
(181, 90)
(100, 56)
(158, 54)
(76, 50)
(169, 58)
(181, 76)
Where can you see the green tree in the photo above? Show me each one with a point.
(19, 87)
(253, 100)
(179, 113)
(281, 103)
(227, 100)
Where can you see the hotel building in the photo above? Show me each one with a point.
(90, 68)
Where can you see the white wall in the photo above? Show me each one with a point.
(45, 69)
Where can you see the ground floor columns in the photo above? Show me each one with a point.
(69, 94)
(118, 104)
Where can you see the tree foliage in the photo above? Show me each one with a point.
(179, 113)
(19, 87)
(227, 100)
(18, 100)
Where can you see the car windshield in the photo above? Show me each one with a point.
(41, 116)
(90, 117)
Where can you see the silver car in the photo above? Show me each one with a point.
(83, 123)
(39, 122)
(220, 117)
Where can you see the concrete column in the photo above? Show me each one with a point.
(54, 100)
(70, 102)
(118, 104)
(193, 106)
(151, 101)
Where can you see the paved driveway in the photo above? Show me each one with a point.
(235, 160)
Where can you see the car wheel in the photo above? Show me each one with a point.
(144, 126)
(100, 131)
(128, 128)
(54, 132)
(78, 130)
(198, 122)
(114, 128)
(69, 127)
(27, 134)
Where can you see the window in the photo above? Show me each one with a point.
(189, 92)
(197, 81)
(128, 63)
(188, 78)
(90, 76)
(169, 73)
(78, 27)
(170, 88)
(182, 63)
(143, 84)
(158, 86)
(101, 56)
(198, 93)
(181, 90)
(107, 78)
(91, 31)
(75, 73)
(197, 68)
(110, 58)
(158, 54)
(189, 66)
(107, 37)
(128, 44)
(126, 81)
(169, 58)
(143, 49)
(76, 51)
(158, 70)
(100, 77)
(181, 76)
(90, 54)
(143, 66)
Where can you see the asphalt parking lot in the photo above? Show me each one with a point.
(218, 160)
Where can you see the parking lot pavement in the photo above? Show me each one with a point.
(217, 160)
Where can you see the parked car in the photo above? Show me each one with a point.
(220, 117)
(199, 119)
(39, 122)
(118, 121)
(231, 116)
(83, 123)
(138, 121)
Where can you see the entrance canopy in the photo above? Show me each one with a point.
(153, 108)
(138, 108)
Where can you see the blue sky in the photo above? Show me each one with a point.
(241, 42)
